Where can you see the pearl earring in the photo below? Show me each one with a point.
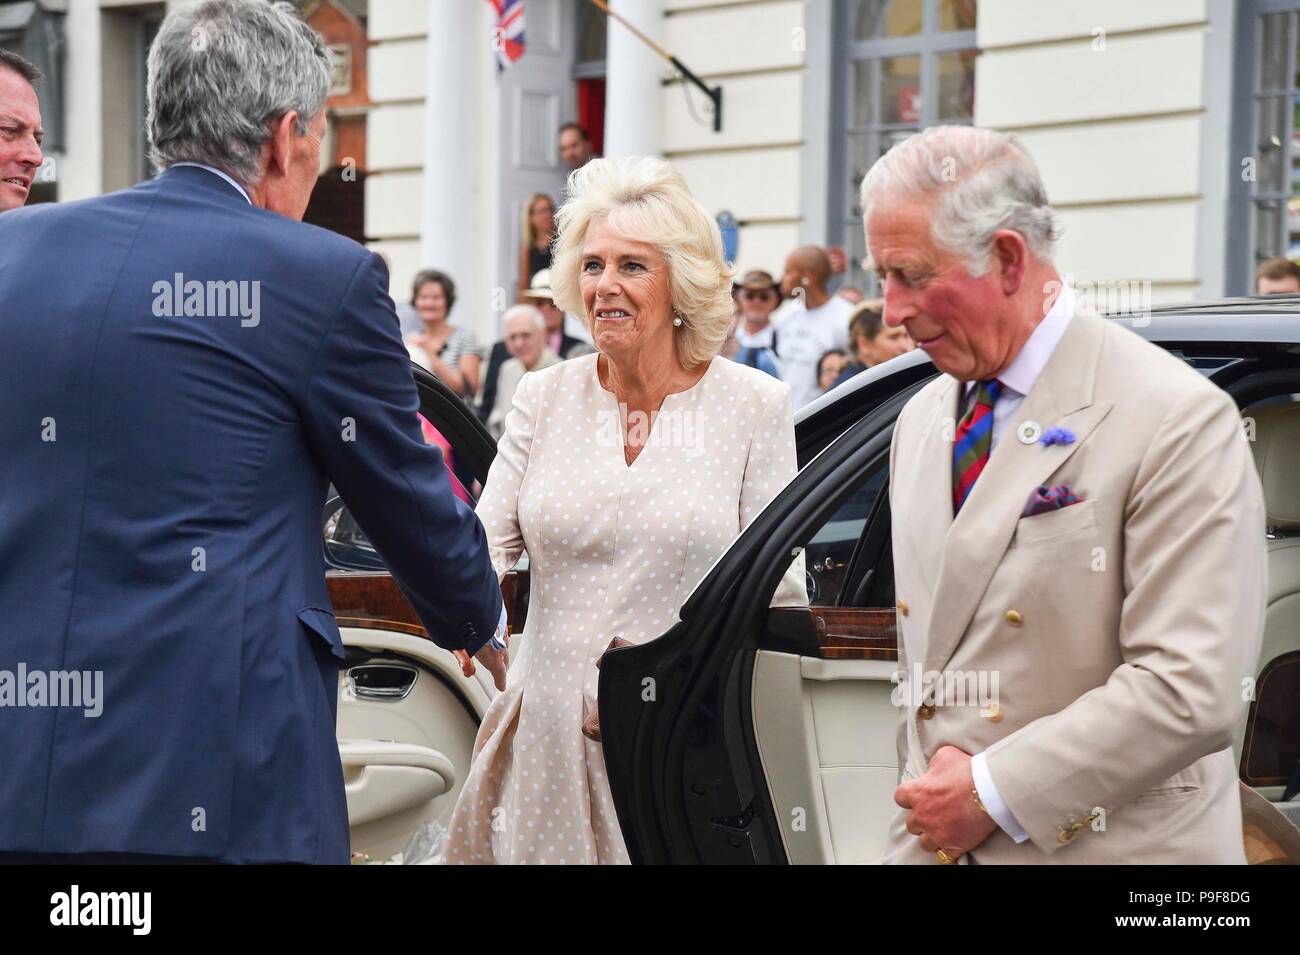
(677, 318)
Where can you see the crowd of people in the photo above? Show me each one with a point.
(824, 345)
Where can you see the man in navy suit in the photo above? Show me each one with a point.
(186, 367)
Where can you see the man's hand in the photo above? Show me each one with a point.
(944, 815)
(496, 662)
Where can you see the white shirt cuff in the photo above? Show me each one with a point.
(992, 799)
(498, 640)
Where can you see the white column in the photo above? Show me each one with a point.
(634, 104)
(451, 143)
(457, 231)
(80, 170)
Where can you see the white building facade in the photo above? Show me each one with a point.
(1141, 116)
(1166, 130)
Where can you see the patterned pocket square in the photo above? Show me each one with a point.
(1046, 498)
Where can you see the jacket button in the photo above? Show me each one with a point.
(1064, 836)
(992, 713)
(1014, 618)
(925, 711)
(902, 607)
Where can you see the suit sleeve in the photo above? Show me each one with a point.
(1194, 566)
(360, 413)
(772, 464)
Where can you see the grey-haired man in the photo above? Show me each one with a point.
(172, 420)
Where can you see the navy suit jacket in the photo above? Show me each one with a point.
(163, 480)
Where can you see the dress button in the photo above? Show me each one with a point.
(1064, 836)
(992, 713)
(925, 711)
(902, 607)
(1014, 618)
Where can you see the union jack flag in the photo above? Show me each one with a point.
(508, 34)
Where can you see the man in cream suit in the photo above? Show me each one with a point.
(1078, 531)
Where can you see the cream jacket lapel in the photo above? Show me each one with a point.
(1062, 397)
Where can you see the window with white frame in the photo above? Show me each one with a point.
(903, 65)
(1275, 109)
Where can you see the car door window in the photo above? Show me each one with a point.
(467, 449)
(829, 552)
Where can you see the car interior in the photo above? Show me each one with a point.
(407, 716)
(1267, 742)
(406, 725)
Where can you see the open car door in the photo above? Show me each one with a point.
(407, 716)
(748, 734)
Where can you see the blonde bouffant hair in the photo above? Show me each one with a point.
(646, 200)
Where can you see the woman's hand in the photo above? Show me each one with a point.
(496, 662)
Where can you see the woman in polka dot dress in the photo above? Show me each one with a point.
(624, 475)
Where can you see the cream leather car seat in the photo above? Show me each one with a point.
(1277, 456)
(1276, 447)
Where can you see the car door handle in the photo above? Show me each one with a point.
(384, 682)
(383, 778)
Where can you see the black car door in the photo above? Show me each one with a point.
(691, 775)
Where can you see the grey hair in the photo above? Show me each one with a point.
(982, 182)
(220, 72)
(525, 310)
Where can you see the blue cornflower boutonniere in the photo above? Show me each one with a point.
(1056, 436)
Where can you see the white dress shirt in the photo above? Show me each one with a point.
(498, 639)
(1018, 378)
(805, 335)
(759, 339)
(216, 172)
(1028, 364)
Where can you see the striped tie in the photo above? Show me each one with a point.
(974, 441)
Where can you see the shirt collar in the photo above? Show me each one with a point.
(760, 339)
(216, 172)
(1029, 363)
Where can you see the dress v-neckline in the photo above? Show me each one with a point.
(654, 420)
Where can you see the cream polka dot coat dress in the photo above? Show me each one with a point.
(613, 549)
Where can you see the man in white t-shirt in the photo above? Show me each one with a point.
(810, 331)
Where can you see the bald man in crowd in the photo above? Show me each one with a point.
(818, 322)
(20, 130)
